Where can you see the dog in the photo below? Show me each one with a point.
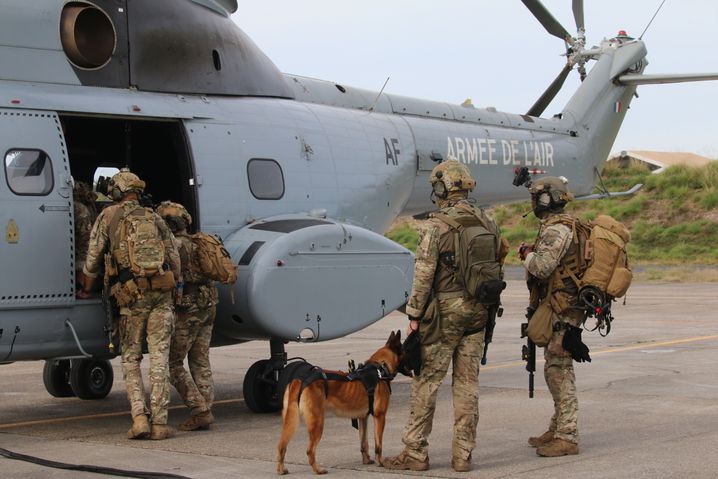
(346, 395)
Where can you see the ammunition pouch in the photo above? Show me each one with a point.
(540, 329)
(157, 282)
(125, 293)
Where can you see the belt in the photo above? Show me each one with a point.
(451, 295)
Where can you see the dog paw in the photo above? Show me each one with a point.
(367, 460)
(282, 471)
(320, 471)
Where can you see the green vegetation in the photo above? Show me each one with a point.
(673, 219)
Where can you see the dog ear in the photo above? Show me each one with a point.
(391, 338)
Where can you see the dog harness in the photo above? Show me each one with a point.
(369, 374)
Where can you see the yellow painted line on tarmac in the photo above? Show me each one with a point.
(94, 416)
(617, 350)
(484, 368)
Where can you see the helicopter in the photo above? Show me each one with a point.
(298, 176)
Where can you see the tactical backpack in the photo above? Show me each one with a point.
(139, 247)
(477, 262)
(212, 259)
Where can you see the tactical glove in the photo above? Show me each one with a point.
(573, 344)
(411, 359)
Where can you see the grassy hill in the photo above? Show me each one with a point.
(673, 219)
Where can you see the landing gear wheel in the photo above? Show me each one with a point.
(91, 379)
(260, 390)
(56, 377)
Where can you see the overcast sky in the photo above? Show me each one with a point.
(497, 54)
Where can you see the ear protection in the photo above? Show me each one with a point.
(115, 193)
(439, 188)
(543, 200)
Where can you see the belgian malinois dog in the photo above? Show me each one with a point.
(346, 395)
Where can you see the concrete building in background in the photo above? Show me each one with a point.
(657, 161)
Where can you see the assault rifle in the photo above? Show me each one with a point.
(528, 351)
(111, 318)
(494, 311)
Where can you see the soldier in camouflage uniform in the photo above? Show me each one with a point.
(460, 335)
(85, 215)
(193, 330)
(553, 246)
(150, 315)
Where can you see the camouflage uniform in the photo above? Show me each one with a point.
(193, 332)
(152, 316)
(458, 315)
(553, 244)
(85, 215)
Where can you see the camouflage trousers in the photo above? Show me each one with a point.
(151, 318)
(193, 332)
(465, 352)
(561, 382)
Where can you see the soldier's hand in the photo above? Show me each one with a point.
(413, 325)
(82, 294)
(524, 250)
(80, 279)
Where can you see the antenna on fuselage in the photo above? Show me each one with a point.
(379, 95)
(652, 18)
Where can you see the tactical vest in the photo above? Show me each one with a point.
(572, 264)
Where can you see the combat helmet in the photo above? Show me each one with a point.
(169, 209)
(449, 176)
(124, 182)
(549, 193)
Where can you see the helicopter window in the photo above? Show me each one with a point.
(29, 172)
(266, 180)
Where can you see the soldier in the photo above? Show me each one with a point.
(452, 325)
(196, 309)
(85, 215)
(145, 298)
(553, 248)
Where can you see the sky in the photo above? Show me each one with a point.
(496, 53)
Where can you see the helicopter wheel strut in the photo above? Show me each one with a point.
(260, 387)
(56, 377)
(91, 378)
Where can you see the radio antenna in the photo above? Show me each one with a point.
(654, 16)
(380, 92)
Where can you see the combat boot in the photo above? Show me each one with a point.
(200, 421)
(558, 447)
(140, 428)
(459, 464)
(404, 462)
(539, 441)
(161, 431)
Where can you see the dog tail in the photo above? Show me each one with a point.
(290, 421)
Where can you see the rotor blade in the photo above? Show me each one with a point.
(659, 79)
(547, 20)
(550, 92)
(578, 14)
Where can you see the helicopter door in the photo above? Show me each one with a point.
(36, 215)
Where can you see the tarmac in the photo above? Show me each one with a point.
(648, 407)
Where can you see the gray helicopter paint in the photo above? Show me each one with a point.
(171, 50)
(318, 269)
(38, 269)
(353, 158)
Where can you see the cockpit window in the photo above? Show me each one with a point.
(266, 179)
(29, 172)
